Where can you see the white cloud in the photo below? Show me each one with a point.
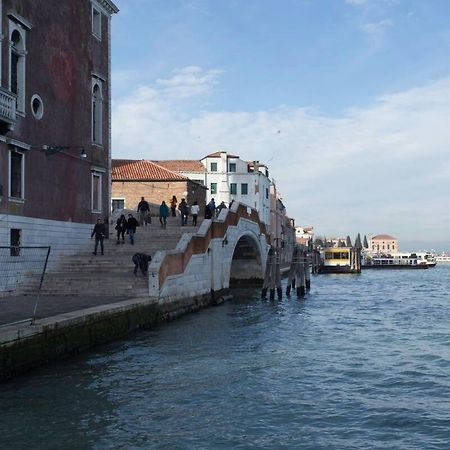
(377, 28)
(189, 82)
(383, 168)
(376, 32)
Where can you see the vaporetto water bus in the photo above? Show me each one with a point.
(339, 260)
(396, 261)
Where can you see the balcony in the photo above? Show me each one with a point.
(7, 108)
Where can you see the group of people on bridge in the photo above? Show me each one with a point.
(129, 225)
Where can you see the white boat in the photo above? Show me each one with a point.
(443, 259)
(396, 261)
(426, 256)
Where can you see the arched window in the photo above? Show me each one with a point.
(97, 113)
(17, 68)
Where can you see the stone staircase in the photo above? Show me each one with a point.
(111, 274)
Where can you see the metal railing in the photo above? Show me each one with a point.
(22, 271)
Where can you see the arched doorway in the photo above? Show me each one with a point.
(246, 263)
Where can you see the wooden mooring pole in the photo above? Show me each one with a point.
(272, 276)
(315, 260)
(299, 277)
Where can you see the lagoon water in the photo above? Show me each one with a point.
(363, 362)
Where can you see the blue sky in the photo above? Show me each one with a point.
(359, 89)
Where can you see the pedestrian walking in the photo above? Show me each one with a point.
(143, 210)
(212, 207)
(121, 227)
(173, 206)
(163, 214)
(208, 212)
(195, 209)
(220, 207)
(132, 224)
(99, 232)
(184, 210)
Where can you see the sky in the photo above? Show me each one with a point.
(346, 101)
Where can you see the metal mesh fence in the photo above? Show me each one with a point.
(22, 272)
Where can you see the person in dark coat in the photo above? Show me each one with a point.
(220, 207)
(121, 227)
(132, 224)
(208, 214)
(184, 210)
(173, 206)
(141, 261)
(163, 214)
(99, 232)
(212, 207)
(144, 212)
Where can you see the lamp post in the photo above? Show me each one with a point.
(54, 149)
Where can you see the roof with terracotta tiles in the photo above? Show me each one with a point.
(130, 169)
(385, 237)
(182, 165)
(218, 155)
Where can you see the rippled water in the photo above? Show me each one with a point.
(363, 362)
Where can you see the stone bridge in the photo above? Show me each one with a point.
(225, 252)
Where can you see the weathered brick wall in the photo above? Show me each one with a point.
(157, 191)
(61, 56)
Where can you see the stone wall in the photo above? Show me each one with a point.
(68, 238)
(157, 191)
(22, 349)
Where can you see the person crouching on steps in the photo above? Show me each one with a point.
(99, 232)
(132, 223)
(121, 227)
(141, 261)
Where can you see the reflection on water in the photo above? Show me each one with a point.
(362, 362)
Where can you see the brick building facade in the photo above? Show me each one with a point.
(54, 120)
(133, 179)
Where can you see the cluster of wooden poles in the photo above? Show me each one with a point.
(299, 275)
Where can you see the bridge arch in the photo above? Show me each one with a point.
(246, 265)
(228, 251)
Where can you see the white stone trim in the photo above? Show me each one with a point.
(94, 174)
(17, 26)
(19, 20)
(96, 28)
(15, 142)
(106, 6)
(22, 187)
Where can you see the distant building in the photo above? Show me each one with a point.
(383, 243)
(229, 178)
(304, 235)
(55, 112)
(133, 179)
(282, 229)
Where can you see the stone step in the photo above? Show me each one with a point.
(111, 273)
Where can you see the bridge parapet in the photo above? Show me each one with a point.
(201, 263)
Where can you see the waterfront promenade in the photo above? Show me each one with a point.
(14, 309)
